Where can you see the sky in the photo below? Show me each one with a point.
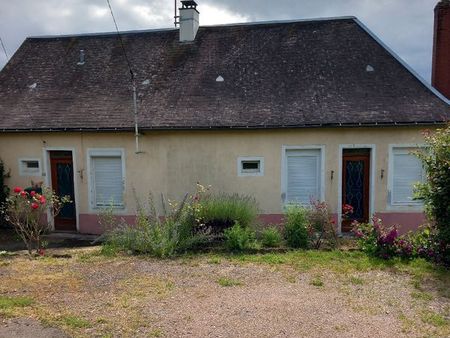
(406, 26)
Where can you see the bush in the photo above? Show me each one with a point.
(383, 241)
(271, 237)
(436, 190)
(321, 227)
(215, 213)
(296, 226)
(238, 238)
(151, 235)
(26, 211)
(376, 239)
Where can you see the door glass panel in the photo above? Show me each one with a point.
(354, 187)
(65, 187)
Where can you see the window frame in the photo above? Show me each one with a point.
(284, 173)
(105, 152)
(242, 159)
(406, 205)
(23, 172)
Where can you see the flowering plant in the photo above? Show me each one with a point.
(26, 211)
(321, 226)
(385, 242)
(376, 238)
(347, 210)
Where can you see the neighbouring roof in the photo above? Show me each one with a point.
(325, 72)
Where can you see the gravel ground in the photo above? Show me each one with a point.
(187, 298)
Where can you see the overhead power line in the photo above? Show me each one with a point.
(121, 41)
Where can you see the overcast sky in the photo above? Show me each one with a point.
(404, 25)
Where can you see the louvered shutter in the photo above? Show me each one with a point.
(407, 171)
(303, 176)
(108, 181)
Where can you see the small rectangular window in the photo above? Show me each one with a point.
(250, 166)
(30, 167)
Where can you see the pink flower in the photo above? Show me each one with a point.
(23, 193)
(32, 193)
(17, 190)
(42, 199)
(34, 205)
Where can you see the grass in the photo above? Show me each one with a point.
(227, 282)
(420, 295)
(75, 322)
(7, 303)
(317, 281)
(356, 280)
(434, 319)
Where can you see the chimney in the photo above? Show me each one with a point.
(188, 20)
(440, 78)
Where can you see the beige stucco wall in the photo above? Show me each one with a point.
(172, 162)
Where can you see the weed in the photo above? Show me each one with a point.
(7, 303)
(226, 282)
(356, 280)
(156, 333)
(421, 295)
(214, 260)
(317, 281)
(433, 318)
(271, 237)
(75, 322)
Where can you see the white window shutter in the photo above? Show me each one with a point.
(108, 181)
(407, 172)
(303, 176)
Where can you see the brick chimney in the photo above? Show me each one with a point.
(440, 78)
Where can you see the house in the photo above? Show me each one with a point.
(285, 111)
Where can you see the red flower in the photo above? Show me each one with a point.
(23, 193)
(32, 193)
(17, 189)
(34, 205)
(42, 199)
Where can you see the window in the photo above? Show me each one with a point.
(106, 178)
(407, 170)
(30, 167)
(303, 175)
(250, 166)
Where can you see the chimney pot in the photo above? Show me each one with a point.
(441, 48)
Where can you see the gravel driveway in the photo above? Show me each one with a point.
(204, 296)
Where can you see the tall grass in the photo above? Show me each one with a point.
(152, 235)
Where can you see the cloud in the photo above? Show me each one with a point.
(404, 25)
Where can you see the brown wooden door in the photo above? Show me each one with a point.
(355, 186)
(63, 184)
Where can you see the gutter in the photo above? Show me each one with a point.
(260, 127)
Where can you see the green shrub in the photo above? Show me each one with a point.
(153, 236)
(238, 238)
(219, 212)
(271, 237)
(435, 192)
(296, 226)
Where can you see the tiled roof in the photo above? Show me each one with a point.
(281, 74)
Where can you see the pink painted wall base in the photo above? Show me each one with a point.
(407, 221)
